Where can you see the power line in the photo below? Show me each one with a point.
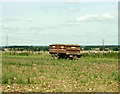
(6, 40)
(103, 44)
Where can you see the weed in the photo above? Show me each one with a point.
(95, 75)
(28, 80)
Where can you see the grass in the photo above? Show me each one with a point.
(41, 73)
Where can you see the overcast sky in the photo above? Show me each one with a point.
(44, 23)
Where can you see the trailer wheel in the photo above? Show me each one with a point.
(59, 57)
(66, 56)
(75, 57)
(56, 56)
(53, 56)
(79, 56)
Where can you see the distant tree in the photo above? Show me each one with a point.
(10, 49)
(101, 48)
(35, 49)
(81, 49)
(46, 48)
(21, 49)
(106, 49)
(39, 49)
(2, 49)
(87, 48)
(14, 49)
(115, 49)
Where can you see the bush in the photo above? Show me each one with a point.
(100, 55)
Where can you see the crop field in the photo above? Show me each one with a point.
(41, 73)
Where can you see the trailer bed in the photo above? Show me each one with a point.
(64, 50)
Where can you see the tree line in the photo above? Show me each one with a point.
(26, 48)
(46, 48)
(101, 48)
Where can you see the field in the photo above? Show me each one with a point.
(41, 73)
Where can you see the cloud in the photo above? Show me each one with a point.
(38, 28)
(28, 21)
(107, 16)
(95, 17)
(35, 28)
(10, 20)
(73, 9)
(11, 29)
(87, 17)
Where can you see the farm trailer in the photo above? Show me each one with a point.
(64, 51)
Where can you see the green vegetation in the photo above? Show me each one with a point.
(46, 48)
(41, 73)
(100, 55)
(26, 48)
(101, 48)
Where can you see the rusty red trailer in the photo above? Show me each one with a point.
(64, 51)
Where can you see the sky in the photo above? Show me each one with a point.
(45, 23)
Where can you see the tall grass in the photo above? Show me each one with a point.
(100, 55)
